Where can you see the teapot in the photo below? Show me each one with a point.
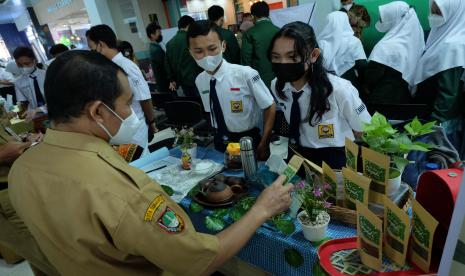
(216, 191)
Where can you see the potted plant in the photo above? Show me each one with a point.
(380, 136)
(313, 218)
(185, 140)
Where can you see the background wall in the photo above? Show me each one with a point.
(12, 37)
(371, 36)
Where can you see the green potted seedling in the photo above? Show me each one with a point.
(380, 136)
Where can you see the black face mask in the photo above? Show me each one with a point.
(159, 39)
(288, 72)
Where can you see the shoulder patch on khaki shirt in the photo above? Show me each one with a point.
(170, 221)
(153, 207)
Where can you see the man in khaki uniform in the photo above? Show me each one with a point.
(14, 235)
(92, 213)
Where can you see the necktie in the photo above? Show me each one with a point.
(294, 132)
(39, 98)
(216, 108)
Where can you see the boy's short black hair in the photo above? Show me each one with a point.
(126, 49)
(152, 29)
(77, 78)
(215, 12)
(260, 9)
(58, 49)
(23, 51)
(185, 21)
(202, 27)
(103, 33)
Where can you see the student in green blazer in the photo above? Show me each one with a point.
(180, 66)
(256, 41)
(232, 54)
(441, 65)
(157, 57)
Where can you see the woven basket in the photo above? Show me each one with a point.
(349, 216)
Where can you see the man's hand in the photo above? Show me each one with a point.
(275, 199)
(35, 137)
(9, 152)
(173, 86)
(263, 151)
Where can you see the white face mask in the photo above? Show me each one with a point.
(348, 6)
(210, 63)
(383, 27)
(126, 131)
(436, 20)
(27, 70)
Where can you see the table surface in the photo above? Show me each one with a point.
(266, 248)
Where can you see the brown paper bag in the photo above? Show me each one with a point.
(352, 150)
(356, 188)
(376, 167)
(424, 226)
(369, 237)
(396, 232)
(329, 176)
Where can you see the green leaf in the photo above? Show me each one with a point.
(246, 202)
(421, 144)
(400, 162)
(293, 257)
(236, 213)
(318, 270)
(318, 243)
(220, 213)
(409, 129)
(287, 227)
(214, 224)
(194, 191)
(168, 190)
(195, 207)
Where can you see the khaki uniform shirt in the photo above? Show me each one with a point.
(93, 214)
(4, 169)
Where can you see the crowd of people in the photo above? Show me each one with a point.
(84, 210)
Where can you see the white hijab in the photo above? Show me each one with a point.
(445, 47)
(338, 44)
(403, 44)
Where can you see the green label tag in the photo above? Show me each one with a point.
(375, 172)
(420, 231)
(369, 230)
(354, 191)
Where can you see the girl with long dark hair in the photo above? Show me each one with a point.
(321, 109)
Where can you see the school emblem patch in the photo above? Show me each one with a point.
(326, 131)
(236, 106)
(170, 221)
(153, 207)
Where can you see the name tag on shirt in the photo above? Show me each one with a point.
(205, 92)
(236, 107)
(235, 89)
(325, 131)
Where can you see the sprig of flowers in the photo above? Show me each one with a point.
(184, 137)
(313, 198)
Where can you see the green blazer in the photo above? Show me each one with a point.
(157, 60)
(255, 43)
(232, 54)
(443, 92)
(180, 66)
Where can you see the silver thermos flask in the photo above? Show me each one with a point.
(249, 163)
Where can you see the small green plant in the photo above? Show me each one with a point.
(184, 138)
(383, 138)
(313, 198)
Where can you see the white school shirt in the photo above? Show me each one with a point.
(24, 87)
(140, 91)
(347, 112)
(242, 95)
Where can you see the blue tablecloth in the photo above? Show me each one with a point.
(266, 248)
